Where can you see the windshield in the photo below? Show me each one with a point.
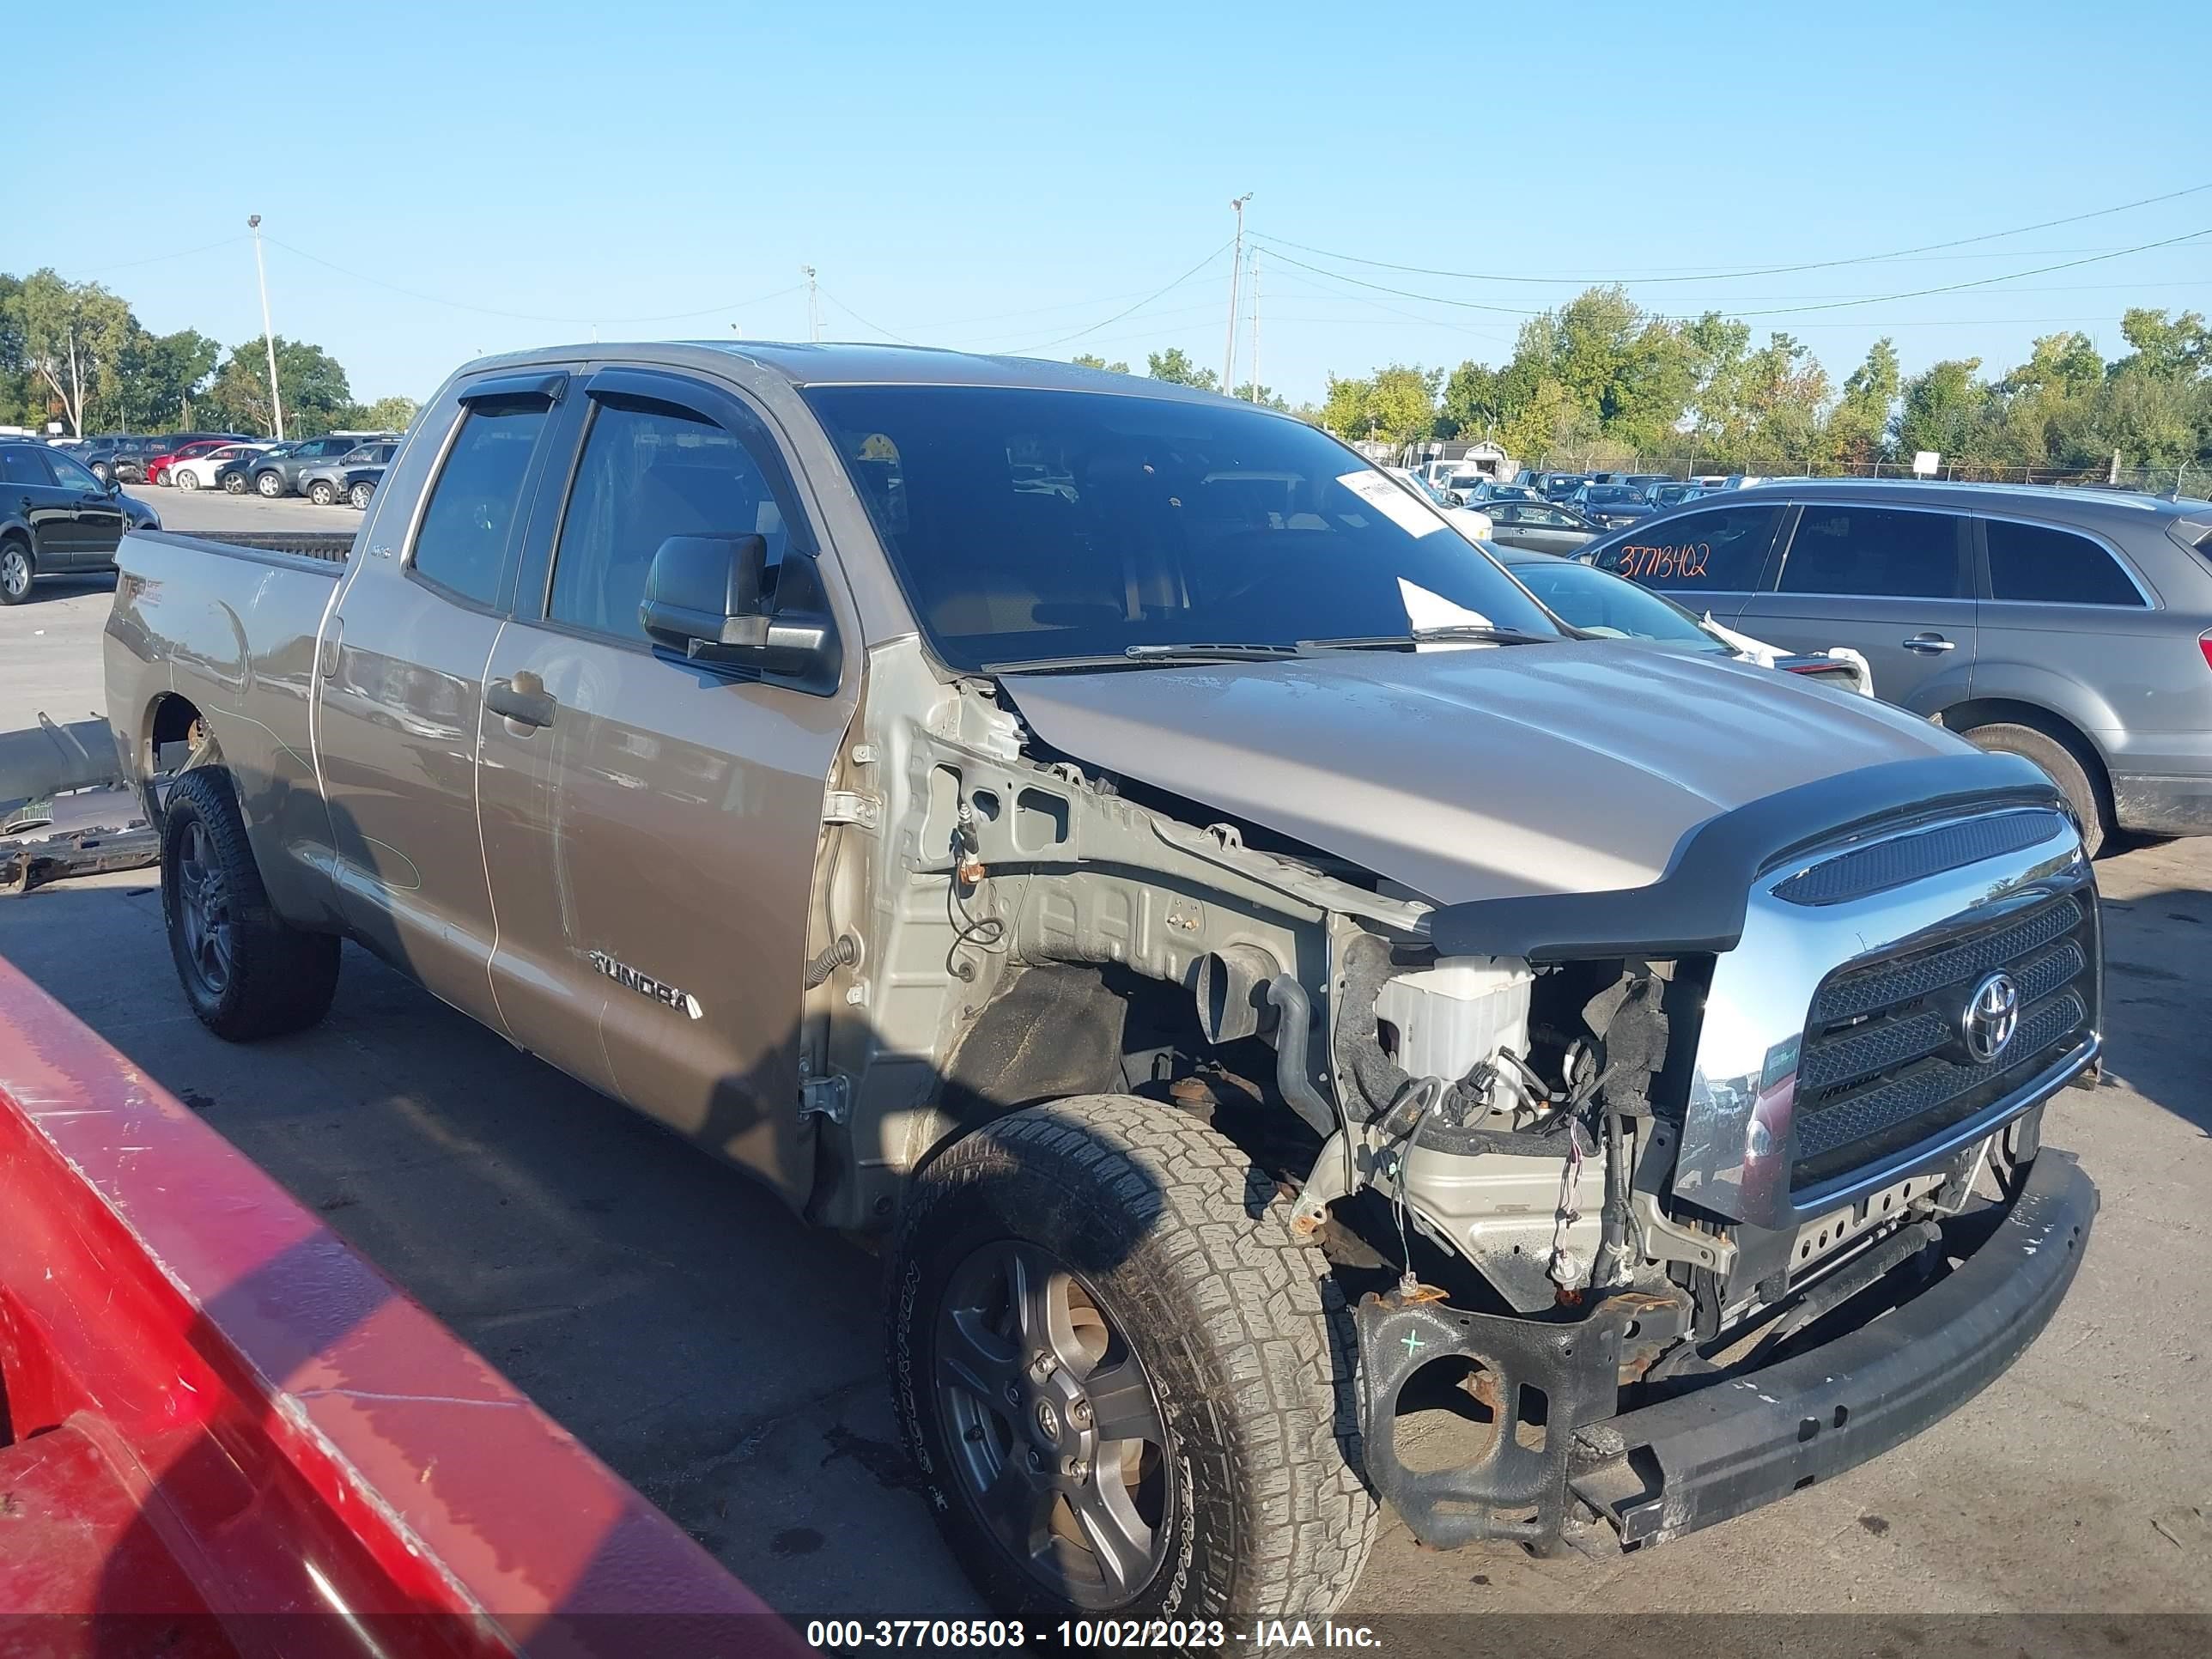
(1599, 493)
(1028, 524)
(1599, 603)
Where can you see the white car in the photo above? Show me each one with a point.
(1474, 525)
(206, 472)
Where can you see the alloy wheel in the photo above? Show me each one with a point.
(15, 572)
(203, 909)
(1058, 1437)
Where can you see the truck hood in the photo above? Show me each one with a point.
(1491, 773)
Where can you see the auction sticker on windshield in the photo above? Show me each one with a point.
(1394, 504)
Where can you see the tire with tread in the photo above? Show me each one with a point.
(321, 494)
(269, 485)
(1246, 1337)
(18, 566)
(185, 478)
(282, 978)
(2066, 769)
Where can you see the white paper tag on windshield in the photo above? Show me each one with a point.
(1426, 610)
(1415, 517)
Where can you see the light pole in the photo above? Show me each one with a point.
(268, 334)
(1235, 269)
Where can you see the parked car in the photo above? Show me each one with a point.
(1558, 486)
(57, 517)
(234, 475)
(1470, 522)
(1598, 602)
(1642, 483)
(157, 467)
(123, 457)
(934, 847)
(2071, 626)
(205, 470)
(1488, 491)
(279, 474)
(1673, 493)
(326, 482)
(1610, 506)
(1541, 526)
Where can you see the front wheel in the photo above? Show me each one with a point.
(360, 495)
(1128, 1389)
(320, 492)
(233, 484)
(269, 485)
(247, 972)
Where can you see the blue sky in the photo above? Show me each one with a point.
(1009, 177)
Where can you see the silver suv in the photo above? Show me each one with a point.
(2071, 626)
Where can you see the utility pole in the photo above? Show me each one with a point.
(1255, 324)
(1235, 269)
(813, 308)
(268, 334)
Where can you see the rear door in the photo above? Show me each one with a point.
(1710, 562)
(651, 827)
(41, 503)
(401, 697)
(1893, 583)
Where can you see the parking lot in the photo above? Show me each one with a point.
(726, 1359)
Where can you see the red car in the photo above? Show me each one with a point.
(157, 466)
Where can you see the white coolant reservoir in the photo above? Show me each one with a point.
(1451, 1016)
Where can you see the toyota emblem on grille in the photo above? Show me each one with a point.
(1991, 1017)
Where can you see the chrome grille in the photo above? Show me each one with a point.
(1881, 1069)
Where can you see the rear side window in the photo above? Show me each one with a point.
(21, 465)
(648, 474)
(2036, 562)
(1723, 548)
(470, 515)
(1874, 553)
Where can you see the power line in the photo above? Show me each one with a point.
(877, 327)
(1157, 294)
(1761, 271)
(157, 258)
(1773, 311)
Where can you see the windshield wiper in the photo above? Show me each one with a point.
(1445, 633)
(1142, 656)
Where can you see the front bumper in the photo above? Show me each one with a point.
(1656, 1473)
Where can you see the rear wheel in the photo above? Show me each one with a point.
(321, 494)
(360, 495)
(184, 478)
(15, 569)
(2067, 768)
(99, 471)
(1128, 1388)
(247, 973)
(269, 485)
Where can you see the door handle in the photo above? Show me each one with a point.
(1928, 645)
(523, 699)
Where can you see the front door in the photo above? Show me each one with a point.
(97, 530)
(650, 828)
(401, 702)
(1892, 583)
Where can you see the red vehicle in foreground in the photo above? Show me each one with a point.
(157, 466)
(222, 1433)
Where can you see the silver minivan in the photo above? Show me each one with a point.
(2071, 626)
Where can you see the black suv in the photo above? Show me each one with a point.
(57, 517)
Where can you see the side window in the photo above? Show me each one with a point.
(1723, 548)
(1873, 552)
(2052, 567)
(71, 474)
(470, 517)
(19, 463)
(649, 472)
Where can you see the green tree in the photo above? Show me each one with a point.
(2178, 348)
(1176, 367)
(1092, 359)
(1943, 410)
(157, 377)
(393, 413)
(1268, 398)
(310, 380)
(71, 335)
(1858, 427)
(1395, 406)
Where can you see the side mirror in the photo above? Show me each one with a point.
(715, 598)
(113, 486)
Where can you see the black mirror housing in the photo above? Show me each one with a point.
(717, 600)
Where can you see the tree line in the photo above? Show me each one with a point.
(1600, 380)
(75, 352)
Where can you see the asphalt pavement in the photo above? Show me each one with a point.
(727, 1359)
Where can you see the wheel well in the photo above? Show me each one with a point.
(173, 719)
(2003, 711)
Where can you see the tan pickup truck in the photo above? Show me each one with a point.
(1319, 1031)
